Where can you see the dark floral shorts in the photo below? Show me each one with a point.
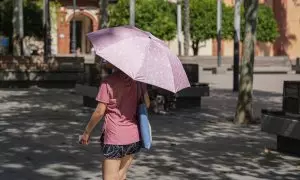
(111, 151)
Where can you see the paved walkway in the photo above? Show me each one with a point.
(39, 129)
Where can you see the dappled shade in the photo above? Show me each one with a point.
(39, 129)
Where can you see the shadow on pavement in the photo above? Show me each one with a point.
(39, 128)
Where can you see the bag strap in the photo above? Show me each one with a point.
(140, 95)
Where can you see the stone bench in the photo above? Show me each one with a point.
(206, 62)
(88, 94)
(57, 63)
(297, 70)
(285, 124)
(190, 97)
(276, 64)
(272, 70)
(38, 76)
(53, 79)
(296, 67)
(185, 98)
(285, 127)
(27, 71)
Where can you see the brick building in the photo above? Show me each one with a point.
(87, 20)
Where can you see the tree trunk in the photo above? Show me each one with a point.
(219, 31)
(236, 44)
(17, 22)
(186, 27)
(195, 47)
(244, 111)
(179, 27)
(47, 30)
(103, 24)
(103, 14)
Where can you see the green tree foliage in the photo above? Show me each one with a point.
(33, 19)
(203, 14)
(155, 16)
(228, 22)
(204, 27)
(6, 17)
(267, 28)
(33, 15)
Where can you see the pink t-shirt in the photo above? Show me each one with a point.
(119, 93)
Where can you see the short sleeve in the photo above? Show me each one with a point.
(103, 94)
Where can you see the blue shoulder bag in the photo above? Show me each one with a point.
(144, 124)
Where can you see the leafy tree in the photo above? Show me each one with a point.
(6, 17)
(155, 16)
(33, 19)
(204, 22)
(228, 22)
(267, 28)
(32, 13)
(204, 27)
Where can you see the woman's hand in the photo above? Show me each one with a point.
(85, 138)
(97, 115)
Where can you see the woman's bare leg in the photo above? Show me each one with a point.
(124, 166)
(110, 169)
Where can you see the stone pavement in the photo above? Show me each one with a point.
(39, 129)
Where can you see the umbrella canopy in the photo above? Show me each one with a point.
(141, 56)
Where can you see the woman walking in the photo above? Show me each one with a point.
(117, 100)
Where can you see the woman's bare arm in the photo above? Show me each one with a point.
(96, 117)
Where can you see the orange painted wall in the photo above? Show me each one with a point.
(292, 33)
(287, 14)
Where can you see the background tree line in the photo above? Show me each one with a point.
(32, 18)
(156, 16)
(159, 17)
